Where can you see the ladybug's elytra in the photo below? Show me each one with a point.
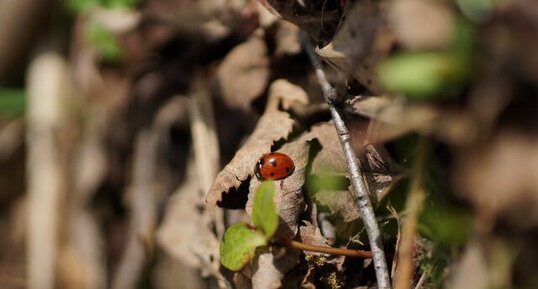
(274, 166)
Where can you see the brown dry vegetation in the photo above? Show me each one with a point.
(129, 131)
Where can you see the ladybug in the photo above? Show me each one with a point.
(274, 166)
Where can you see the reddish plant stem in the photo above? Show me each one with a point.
(325, 250)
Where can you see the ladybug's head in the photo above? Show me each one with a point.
(257, 169)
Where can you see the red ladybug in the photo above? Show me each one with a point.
(274, 166)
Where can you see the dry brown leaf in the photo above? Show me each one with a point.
(272, 126)
(359, 44)
(311, 235)
(331, 156)
(287, 93)
(244, 72)
(289, 198)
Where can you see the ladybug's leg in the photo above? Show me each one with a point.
(281, 184)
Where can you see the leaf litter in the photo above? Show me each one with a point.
(483, 136)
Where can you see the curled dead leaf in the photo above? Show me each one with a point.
(287, 94)
(272, 126)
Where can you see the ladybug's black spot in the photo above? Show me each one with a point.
(273, 162)
(287, 169)
(272, 174)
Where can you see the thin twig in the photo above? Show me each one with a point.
(326, 250)
(361, 193)
(415, 200)
(422, 279)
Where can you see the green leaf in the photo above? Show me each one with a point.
(326, 180)
(427, 75)
(463, 42)
(85, 5)
(445, 225)
(82, 5)
(478, 10)
(424, 75)
(121, 4)
(105, 43)
(12, 102)
(238, 246)
(264, 215)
